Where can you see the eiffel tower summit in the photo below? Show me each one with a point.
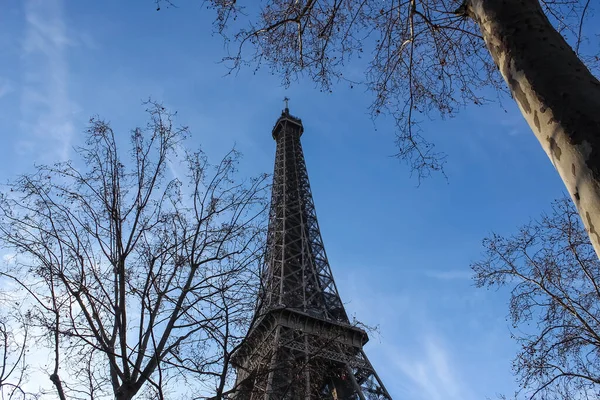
(301, 344)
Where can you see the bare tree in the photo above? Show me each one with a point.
(554, 275)
(435, 56)
(133, 265)
(13, 365)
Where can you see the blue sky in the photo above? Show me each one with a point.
(400, 253)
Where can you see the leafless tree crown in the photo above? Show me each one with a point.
(554, 275)
(420, 57)
(139, 268)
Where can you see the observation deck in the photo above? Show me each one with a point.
(287, 120)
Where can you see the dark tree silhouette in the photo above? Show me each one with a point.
(140, 268)
(13, 363)
(435, 56)
(554, 274)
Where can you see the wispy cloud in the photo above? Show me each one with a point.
(425, 347)
(5, 87)
(449, 275)
(45, 104)
(514, 124)
(429, 375)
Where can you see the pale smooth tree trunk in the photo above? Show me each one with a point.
(557, 94)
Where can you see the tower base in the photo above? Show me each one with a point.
(293, 355)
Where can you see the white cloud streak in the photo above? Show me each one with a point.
(460, 274)
(415, 356)
(430, 374)
(5, 87)
(46, 108)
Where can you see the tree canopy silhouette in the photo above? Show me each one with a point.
(432, 57)
(554, 276)
(139, 270)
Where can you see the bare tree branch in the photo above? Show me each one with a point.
(128, 269)
(553, 271)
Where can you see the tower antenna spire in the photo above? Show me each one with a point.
(286, 100)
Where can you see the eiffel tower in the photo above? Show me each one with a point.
(301, 344)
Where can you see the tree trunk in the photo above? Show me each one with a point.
(124, 395)
(59, 386)
(557, 94)
(127, 390)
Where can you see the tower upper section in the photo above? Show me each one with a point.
(296, 273)
(287, 122)
(302, 344)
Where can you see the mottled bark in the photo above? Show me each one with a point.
(557, 94)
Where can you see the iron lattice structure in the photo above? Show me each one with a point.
(302, 344)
